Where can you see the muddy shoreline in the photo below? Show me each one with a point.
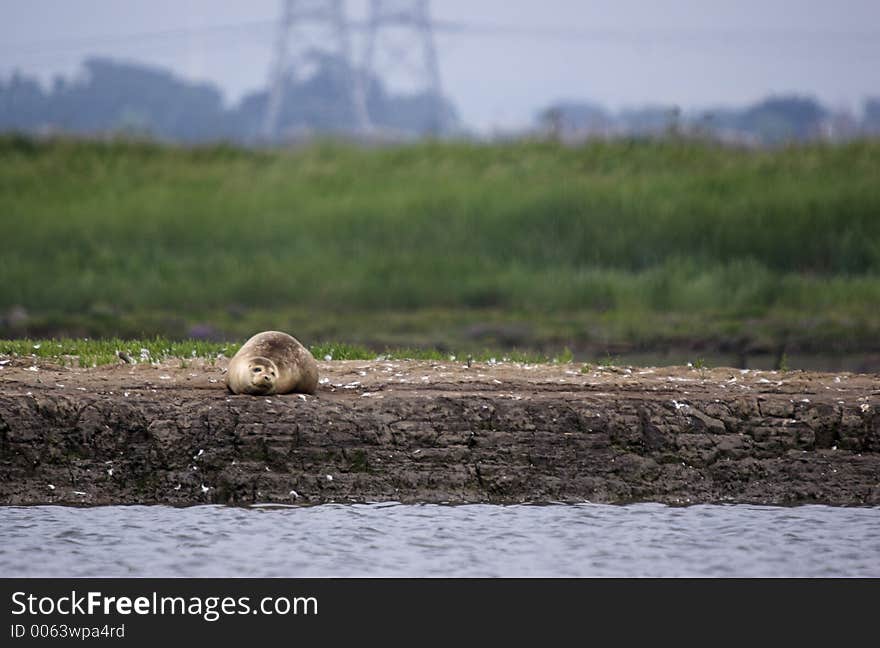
(413, 431)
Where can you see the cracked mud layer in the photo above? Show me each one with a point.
(414, 431)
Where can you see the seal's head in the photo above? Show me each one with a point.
(261, 376)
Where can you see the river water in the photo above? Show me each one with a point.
(391, 540)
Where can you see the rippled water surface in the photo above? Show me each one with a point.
(430, 540)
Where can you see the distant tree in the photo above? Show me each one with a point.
(112, 96)
(780, 119)
(573, 119)
(23, 104)
(650, 120)
(118, 95)
(871, 121)
(422, 113)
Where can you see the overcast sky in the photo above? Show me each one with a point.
(693, 53)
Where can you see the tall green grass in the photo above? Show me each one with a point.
(96, 229)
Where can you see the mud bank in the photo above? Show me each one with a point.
(438, 432)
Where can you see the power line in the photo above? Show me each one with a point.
(112, 39)
(567, 33)
(453, 28)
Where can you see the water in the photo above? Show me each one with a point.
(575, 540)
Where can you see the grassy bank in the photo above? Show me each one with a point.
(635, 242)
(86, 353)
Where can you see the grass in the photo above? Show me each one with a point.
(86, 353)
(631, 241)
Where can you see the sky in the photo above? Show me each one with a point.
(515, 57)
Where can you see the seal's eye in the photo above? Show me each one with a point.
(256, 370)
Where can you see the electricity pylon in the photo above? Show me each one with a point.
(308, 27)
(409, 21)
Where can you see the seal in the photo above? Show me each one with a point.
(272, 362)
